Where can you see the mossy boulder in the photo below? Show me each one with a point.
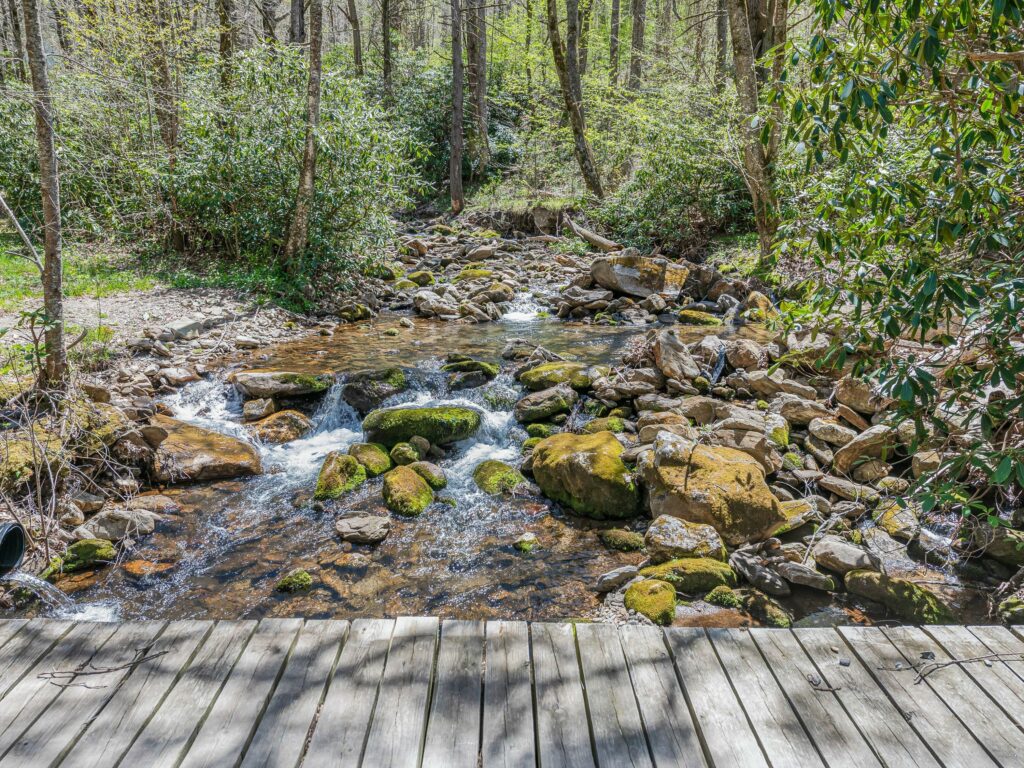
(406, 493)
(82, 554)
(621, 540)
(440, 425)
(541, 429)
(339, 474)
(1011, 610)
(281, 427)
(373, 456)
(277, 384)
(297, 580)
(405, 453)
(472, 274)
(692, 574)
(421, 278)
(546, 375)
(904, 598)
(768, 611)
(496, 477)
(490, 370)
(366, 390)
(541, 406)
(654, 599)
(723, 597)
(605, 424)
(191, 454)
(405, 285)
(432, 473)
(586, 474)
(696, 317)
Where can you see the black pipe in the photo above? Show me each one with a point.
(12, 547)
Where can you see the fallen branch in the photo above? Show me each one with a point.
(927, 667)
(601, 243)
(58, 674)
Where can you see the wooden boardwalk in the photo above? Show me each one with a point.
(415, 691)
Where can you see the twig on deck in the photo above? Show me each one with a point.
(70, 674)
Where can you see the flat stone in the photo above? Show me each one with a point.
(363, 528)
(612, 580)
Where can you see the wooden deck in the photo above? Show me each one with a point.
(415, 691)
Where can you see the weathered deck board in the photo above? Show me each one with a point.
(420, 693)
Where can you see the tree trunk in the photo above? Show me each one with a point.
(636, 54)
(297, 23)
(586, 11)
(60, 23)
(476, 80)
(298, 232)
(19, 48)
(722, 44)
(268, 9)
(613, 42)
(756, 163)
(663, 34)
(529, 42)
(357, 37)
(567, 66)
(385, 25)
(227, 41)
(455, 142)
(54, 370)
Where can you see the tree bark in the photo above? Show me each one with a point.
(385, 25)
(613, 42)
(19, 48)
(297, 23)
(663, 34)
(455, 140)
(567, 67)
(54, 370)
(636, 54)
(298, 232)
(267, 10)
(586, 11)
(227, 38)
(721, 44)
(357, 37)
(476, 80)
(60, 23)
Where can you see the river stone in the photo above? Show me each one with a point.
(753, 442)
(634, 275)
(81, 554)
(363, 528)
(1000, 543)
(275, 384)
(849, 490)
(260, 408)
(670, 538)
(874, 443)
(745, 354)
(800, 411)
(754, 571)
(432, 473)
(907, 600)
(116, 523)
(1011, 610)
(770, 384)
(652, 598)
(841, 556)
(586, 474)
(873, 470)
(496, 477)
(373, 456)
(366, 390)
(614, 579)
(406, 493)
(441, 425)
(650, 425)
(805, 576)
(831, 431)
(190, 454)
(542, 405)
(714, 485)
(547, 375)
(672, 356)
(404, 453)
(281, 427)
(691, 575)
(856, 394)
(339, 474)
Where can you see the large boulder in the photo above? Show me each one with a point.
(906, 599)
(714, 485)
(672, 356)
(441, 425)
(406, 492)
(281, 427)
(542, 405)
(339, 474)
(366, 390)
(546, 375)
(586, 474)
(259, 384)
(634, 275)
(671, 538)
(691, 575)
(191, 454)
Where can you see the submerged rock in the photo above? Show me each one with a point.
(652, 598)
(297, 580)
(586, 474)
(366, 390)
(527, 542)
(496, 477)
(440, 425)
(339, 474)
(406, 493)
(192, 454)
(904, 598)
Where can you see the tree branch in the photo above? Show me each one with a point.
(33, 255)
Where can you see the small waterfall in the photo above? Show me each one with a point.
(44, 590)
(522, 309)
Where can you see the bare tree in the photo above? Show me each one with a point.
(54, 370)
(357, 36)
(385, 26)
(476, 80)
(298, 231)
(227, 38)
(19, 48)
(267, 9)
(636, 53)
(297, 23)
(722, 43)
(455, 141)
(613, 42)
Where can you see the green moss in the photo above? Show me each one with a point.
(339, 474)
(373, 456)
(595, 408)
(496, 477)
(1011, 610)
(421, 278)
(701, 384)
(441, 426)
(621, 540)
(406, 493)
(779, 436)
(541, 429)
(298, 580)
(530, 443)
(467, 366)
(606, 424)
(432, 473)
(724, 597)
(767, 610)
(81, 555)
(696, 317)
(526, 543)
(586, 474)
(792, 461)
(472, 274)
(549, 374)
(309, 382)
(904, 598)
(654, 599)
(692, 574)
(404, 285)
(762, 405)
(404, 453)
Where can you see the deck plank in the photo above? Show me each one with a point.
(453, 727)
(1001, 640)
(727, 735)
(508, 718)
(918, 704)
(19, 655)
(616, 725)
(399, 720)
(244, 697)
(9, 628)
(829, 726)
(344, 722)
(563, 735)
(168, 733)
(67, 716)
(110, 734)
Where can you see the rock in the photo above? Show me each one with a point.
(421, 278)
(432, 473)
(797, 573)
(696, 317)
(873, 470)
(605, 424)
(753, 442)
(847, 489)
(1000, 543)
(926, 462)
(80, 555)
(586, 474)
(177, 376)
(404, 453)
(754, 571)
(260, 408)
(717, 486)
(547, 375)
(1011, 610)
(691, 575)
(797, 410)
(496, 477)
(297, 580)
(759, 307)
(629, 273)
(621, 540)
(156, 503)
(907, 600)
(373, 456)
(277, 384)
(440, 425)
(281, 427)
(527, 542)
(339, 474)
(650, 425)
(875, 443)
(192, 454)
(612, 580)
(117, 523)
(767, 611)
(670, 538)
(831, 431)
(366, 390)
(841, 556)
(699, 409)
(185, 327)
(806, 347)
(770, 384)
(363, 528)
(429, 304)
(87, 502)
(724, 597)
(542, 405)
(406, 493)
(746, 354)
(857, 394)
(672, 356)
(652, 598)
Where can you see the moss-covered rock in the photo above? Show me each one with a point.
(723, 597)
(339, 474)
(1011, 610)
(281, 427)
(432, 473)
(546, 375)
(406, 493)
(543, 405)
(904, 598)
(82, 554)
(541, 429)
(621, 540)
(671, 538)
(900, 522)
(472, 274)
(490, 370)
(696, 317)
(496, 477)
(440, 425)
(373, 456)
(530, 443)
(276, 384)
(654, 599)
(606, 424)
(692, 574)
(768, 611)
(586, 474)
(526, 543)
(405, 453)
(297, 580)
(421, 278)
(366, 390)
(405, 285)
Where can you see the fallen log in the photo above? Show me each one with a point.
(601, 243)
